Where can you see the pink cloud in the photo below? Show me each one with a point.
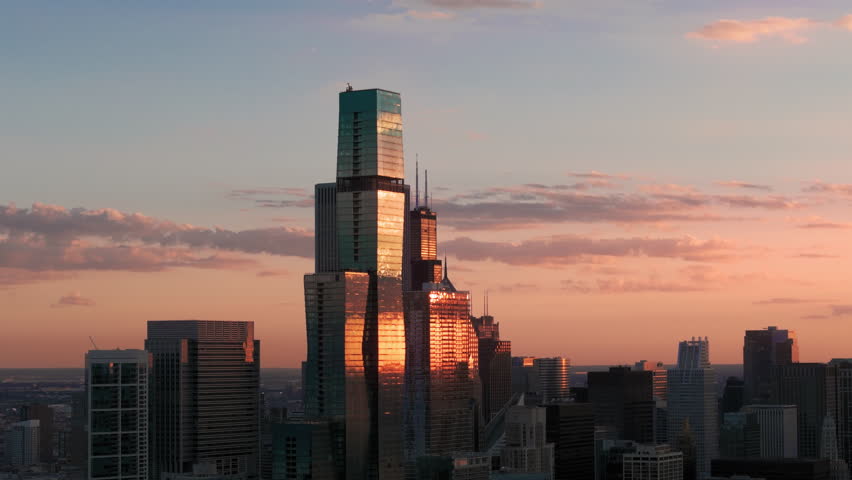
(748, 31)
(272, 273)
(844, 189)
(467, 4)
(844, 22)
(73, 300)
(787, 301)
(431, 15)
(10, 277)
(744, 185)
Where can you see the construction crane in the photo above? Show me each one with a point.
(93, 342)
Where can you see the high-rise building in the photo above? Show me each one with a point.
(301, 450)
(117, 394)
(495, 366)
(553, 379)
(527, 449)
(442, 381)
(78, 437)
(523, 374)
(354, 314)
(624, 400)
(812, 388)
(739, 435)
(692, 402)
(571, 429)
(763, 349)
(844, 407)
(778, 427)
(204, 398)
(653, 462)
(423, 242)
(47, 431)
(22, 443)
(660, 376)
(325, 228)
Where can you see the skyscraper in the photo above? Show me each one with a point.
(812, 388)
(778, 426)
(117, 392)
(571, 430)
(423, 241)
(22, 443)
(527, 449)
(660, 376)
(44, 415)
(692, 402)
(761, 350)
(844, 407)
(553, 378)
(442, 375)
(653, 462)
(495, 366)
(354, 314)
(204, 398)
(624, 401)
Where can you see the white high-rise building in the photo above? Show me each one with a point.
(692, 402)
(22, 443)
(553, 379)
(779, 430)
(117, 390)
(653, 462)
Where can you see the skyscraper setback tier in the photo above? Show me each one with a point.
(354, 315)
(812, 388)
(204, 396)
(763, 349)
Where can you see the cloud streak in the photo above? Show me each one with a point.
(499, 4)
(790, 30)
(73, 300)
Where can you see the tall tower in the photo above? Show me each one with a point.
(353, 304)
(205, 398)
(692, 402)
(763, 349)
(117, 391)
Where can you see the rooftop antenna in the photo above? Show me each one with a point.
(426, 193)
(348, 87)
(93, 342)
(445, 266)
(417, 180)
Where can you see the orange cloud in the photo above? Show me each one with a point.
(748, 31)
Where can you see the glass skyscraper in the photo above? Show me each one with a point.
(117, 392)
(763, 349)
(354, 313)
(205, 399)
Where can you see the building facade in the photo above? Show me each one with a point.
(653, 462)
(692, 404)
(117, 395)
(527, 449)
(22, 443)
(763, 349)
(812, 388)
(204, 398)
(778, 426)
(570, 428)
(624, 400)
(552, 379)
(354, 314)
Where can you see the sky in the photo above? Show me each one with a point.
(618, 175)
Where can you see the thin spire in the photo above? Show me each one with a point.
(417, 180)
(445, 266)
(426, 193)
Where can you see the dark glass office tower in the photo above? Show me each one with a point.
(571, 428)
(763, 349)
(624, 401)
(812, 387)
(354, 314)
(204, 398)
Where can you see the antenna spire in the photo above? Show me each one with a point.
(426, 193)
(417, 180)
(445, 266)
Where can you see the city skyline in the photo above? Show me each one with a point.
(643, 191)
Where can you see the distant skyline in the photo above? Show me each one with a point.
(618, 177)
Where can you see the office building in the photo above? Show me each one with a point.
(552, 379)
(117, 393)
(624, 400)
(354, 314)
(772, 468)
(653, 462)
(570, 428)
(47, 431)
(844, 407)
(423, 241)
(523, 374)
(732, 396)
(204, 398)
(442, 381)
(658, 369)
(301, 450)
(812, 388)
(763, 349)
(778, 427)
(527, 449)
(22, 443)
(692, 403)
(739, 436)
(495, 366)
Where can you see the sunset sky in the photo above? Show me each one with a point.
(618, 174)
